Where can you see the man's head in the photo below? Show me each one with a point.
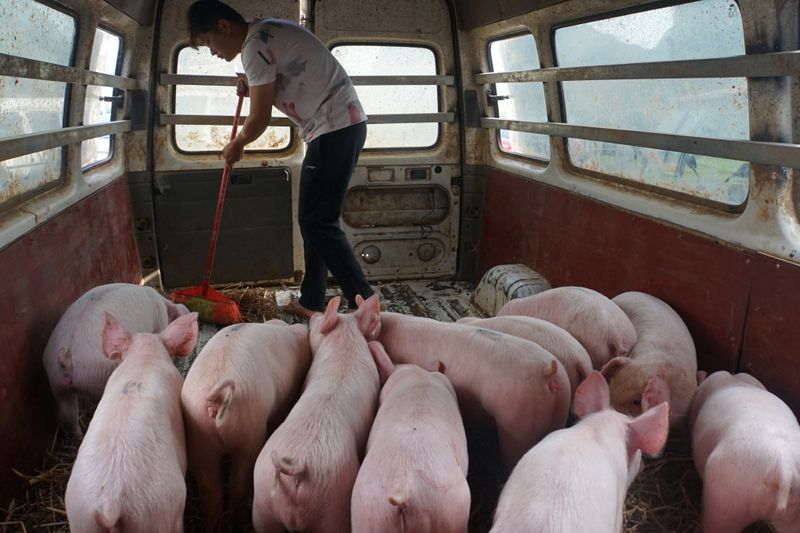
(218, 26)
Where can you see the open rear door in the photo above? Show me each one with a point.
(196, 97)
(402, 208)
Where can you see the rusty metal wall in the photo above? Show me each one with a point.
(475, 13)
(89, 244)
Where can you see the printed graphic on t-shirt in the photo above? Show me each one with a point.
(265, 36)
(291, 112)
(311, 87)
(355, 113)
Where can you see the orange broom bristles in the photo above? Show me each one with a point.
(211, 305)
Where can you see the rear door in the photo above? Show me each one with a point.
(402, 208)
(196, 99)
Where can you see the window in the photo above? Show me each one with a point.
(521, 101)
(30, 106)
(391, 60)
(716, 107)
(105, 59)
(212, 100)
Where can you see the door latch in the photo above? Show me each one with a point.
(492, 98)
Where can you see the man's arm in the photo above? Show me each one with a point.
(261, 99)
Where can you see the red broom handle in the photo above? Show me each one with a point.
(223, 186)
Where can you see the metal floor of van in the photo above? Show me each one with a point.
(438, 299)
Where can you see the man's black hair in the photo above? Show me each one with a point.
(204, 15)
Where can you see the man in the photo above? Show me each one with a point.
(288, 67)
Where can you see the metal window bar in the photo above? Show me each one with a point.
(30, 143)
(21, 67)
(224, 81)
(193, 79)
(777, 64)
(770, 65)
(223, 120)
(766, 153)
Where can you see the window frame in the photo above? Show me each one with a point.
(114, 106)
(63, 174)
(173, 127)
(496, 106)
(684, 197)
(437, 61)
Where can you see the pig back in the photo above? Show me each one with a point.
(736, 408)
(515, 383)
(266, 364)
(74, 346)
(549, 336)
(597, 322)
(664, 348)
(659, 329)
(575, 479)
(133, 457)
(309, 463)
(413, 477)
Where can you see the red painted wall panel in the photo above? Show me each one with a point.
(772, 335)
(40, 276)
(573, 240)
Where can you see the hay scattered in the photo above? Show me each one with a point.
(257, 304)
(664, 498)
(42, 506)
(666, 495)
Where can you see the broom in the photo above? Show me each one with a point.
(213, 306)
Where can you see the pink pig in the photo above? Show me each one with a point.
(241, 386)
(498, 378)
(576, 479)
(414, 474)
(73, 357)
(746, 447)
(662, 366)
(305, 474)
(598, 324)
(552, 338)
(129, 473)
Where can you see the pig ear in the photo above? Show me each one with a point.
(656, 391)
(611, 368)
(591, 395)
(175, 310)
(369, 316)
(359, 300)
(648, 432)
(701, 376)
(116, 339)
(331, 317)
(181, 335)
(382, 360)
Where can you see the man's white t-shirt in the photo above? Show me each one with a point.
(311, 87)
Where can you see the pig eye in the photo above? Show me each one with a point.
(637, 402)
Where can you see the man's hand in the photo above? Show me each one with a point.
(232, 152)
(242, 89)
